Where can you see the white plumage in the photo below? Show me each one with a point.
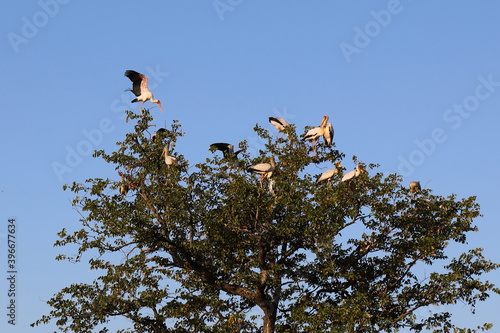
(140, 88)
(328, 135)
(328, 174)
(414, 186)
(353, 174)
(315, 133)
(169, 160)
(279, 124)
(265, 170)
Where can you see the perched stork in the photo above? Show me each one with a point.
(158, 132)
(169, 160)
(315, 133)
(280, 125)
(328, 129)
(140, 88)
(353, 174)
(228, 152)
(328, 174)
(414, 186)
(272, 188)
(226, 149)
(265, 170)
(123, 187)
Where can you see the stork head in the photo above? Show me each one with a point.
(324, 121)
(358, 168)
(159, 104)
(337, 165)
(165, 151)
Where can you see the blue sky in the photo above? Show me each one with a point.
(411, 85)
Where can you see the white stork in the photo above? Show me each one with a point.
(353, 174)
(140, 88)
(414, 186)
(328, 136)
(279, 124)
(169, 160)
(265, 170)
(315, 133)
(328, 174)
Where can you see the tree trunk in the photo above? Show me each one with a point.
(268, 326)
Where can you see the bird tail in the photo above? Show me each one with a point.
(135, 100)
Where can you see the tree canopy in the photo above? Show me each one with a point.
(209, 248)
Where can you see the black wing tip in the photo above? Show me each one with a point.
(220, 145)
(132, 75)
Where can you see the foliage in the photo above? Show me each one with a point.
(200, 249)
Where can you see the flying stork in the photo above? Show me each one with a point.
(140, 88)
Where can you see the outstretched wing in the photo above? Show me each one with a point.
(137, 79)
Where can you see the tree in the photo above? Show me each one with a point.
(200, 249)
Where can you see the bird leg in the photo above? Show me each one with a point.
(140, 108)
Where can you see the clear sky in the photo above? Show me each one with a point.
(411, 85)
